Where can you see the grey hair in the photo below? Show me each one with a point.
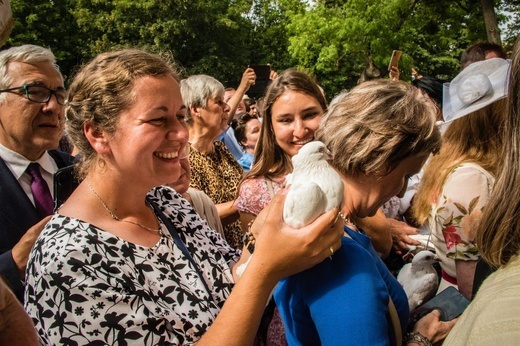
(28, 53)
(197, 90)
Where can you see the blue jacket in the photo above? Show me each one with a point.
(343, 300)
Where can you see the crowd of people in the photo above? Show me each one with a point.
(179, 180)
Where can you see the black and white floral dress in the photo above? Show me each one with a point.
(87, 286)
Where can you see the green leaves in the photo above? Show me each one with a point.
(329, 38)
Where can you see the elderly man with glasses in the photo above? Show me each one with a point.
(32, 99)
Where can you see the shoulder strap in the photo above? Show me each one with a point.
(396, 323)
(269, 183)
(180, 244)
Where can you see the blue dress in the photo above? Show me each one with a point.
(246, 161)
(229, 140)
(343, 300)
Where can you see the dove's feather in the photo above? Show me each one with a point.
(288, 179)
(241, 268)
(300, 209)
(419, 279)
(316, 186)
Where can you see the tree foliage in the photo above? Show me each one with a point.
(336, 39)
(49, 24)
(331, 39)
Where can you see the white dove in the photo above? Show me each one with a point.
(419, 279)
(315, 186)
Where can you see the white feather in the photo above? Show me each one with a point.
(315, 186)
(419, 278)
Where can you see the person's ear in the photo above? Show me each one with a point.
(97, 138)
(195, 111)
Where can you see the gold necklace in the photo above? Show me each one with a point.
(348, 223)
(115, 217)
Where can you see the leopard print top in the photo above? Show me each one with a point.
(218, 174)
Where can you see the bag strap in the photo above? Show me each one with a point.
(396, 323)
(180, 244)
(269, 183)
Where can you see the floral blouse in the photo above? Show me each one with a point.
(88, 286)
(456, 214)
(254, 195)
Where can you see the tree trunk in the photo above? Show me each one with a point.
(490, 20)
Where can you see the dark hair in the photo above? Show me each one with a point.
(249, 102)
(259, 106)
(239, 126)
(432, 87)
(477, 52)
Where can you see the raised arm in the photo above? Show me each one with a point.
(248, 79)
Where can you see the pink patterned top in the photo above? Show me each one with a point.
(254, 194)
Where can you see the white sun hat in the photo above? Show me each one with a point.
(478, 85)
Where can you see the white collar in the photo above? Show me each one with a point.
(18, 163)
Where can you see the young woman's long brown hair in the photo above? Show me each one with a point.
(498, 234)
(477, 138)
(270, 159)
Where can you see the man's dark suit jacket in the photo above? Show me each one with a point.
(17, 215)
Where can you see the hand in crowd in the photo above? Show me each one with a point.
(416, 74)
(248, 79)
(296, 249)
(401, 232)
(21, 250)
(394, 73)
(273, 74)
(433, 328)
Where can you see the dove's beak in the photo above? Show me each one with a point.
(436, 259)
(329, 155)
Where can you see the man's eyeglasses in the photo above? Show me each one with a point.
(40, 94)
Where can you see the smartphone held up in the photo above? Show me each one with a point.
(263, 73)
(394, 60)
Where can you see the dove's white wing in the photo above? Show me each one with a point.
(241, 268)
(421, 290)
(419, 286)
(304, 203)
(288, 179)
(404, 276)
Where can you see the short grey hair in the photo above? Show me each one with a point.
(28, 53)
(197, 90)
